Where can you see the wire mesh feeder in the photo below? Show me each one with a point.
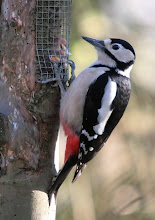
(53, 19)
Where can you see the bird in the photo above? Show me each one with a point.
(93, 105)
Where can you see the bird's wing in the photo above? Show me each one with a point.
(97, 111)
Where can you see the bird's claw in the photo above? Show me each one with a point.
(59, 79)
(72, 65)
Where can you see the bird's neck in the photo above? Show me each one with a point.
(100, 63)
(125, 72)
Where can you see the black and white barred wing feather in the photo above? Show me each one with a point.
(102, 105)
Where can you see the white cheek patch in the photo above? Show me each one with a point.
(104, 58)
(123, 54)
(105, 111)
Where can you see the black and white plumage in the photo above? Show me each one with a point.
(101, 117)
(95, 102)
(106, 99)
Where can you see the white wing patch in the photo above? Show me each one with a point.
(90, 138)
(91, 149)
(105, 111)
(82, 145)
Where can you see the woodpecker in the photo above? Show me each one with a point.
(93, 105)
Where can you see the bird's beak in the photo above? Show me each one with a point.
(94, 42)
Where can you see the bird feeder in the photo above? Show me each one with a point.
(53, 20)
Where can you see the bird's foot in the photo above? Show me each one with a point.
(72, 65)
(59, 79)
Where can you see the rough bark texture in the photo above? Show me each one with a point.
(29, 118)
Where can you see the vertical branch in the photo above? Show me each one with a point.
(29, 111)
(29, 116)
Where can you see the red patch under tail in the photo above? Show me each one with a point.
(72, 143)
(72, 146)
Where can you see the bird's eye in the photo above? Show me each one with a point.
(115, 47)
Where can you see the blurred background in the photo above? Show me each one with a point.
(119, 183)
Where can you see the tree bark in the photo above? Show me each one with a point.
(29, 119)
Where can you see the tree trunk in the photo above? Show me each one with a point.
(29, 119)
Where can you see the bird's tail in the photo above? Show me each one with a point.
(61, 176)
(78, 171)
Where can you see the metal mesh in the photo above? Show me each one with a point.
(53, 19)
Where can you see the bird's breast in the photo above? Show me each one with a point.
(72, 103)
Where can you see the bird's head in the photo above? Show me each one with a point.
(115, 53)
